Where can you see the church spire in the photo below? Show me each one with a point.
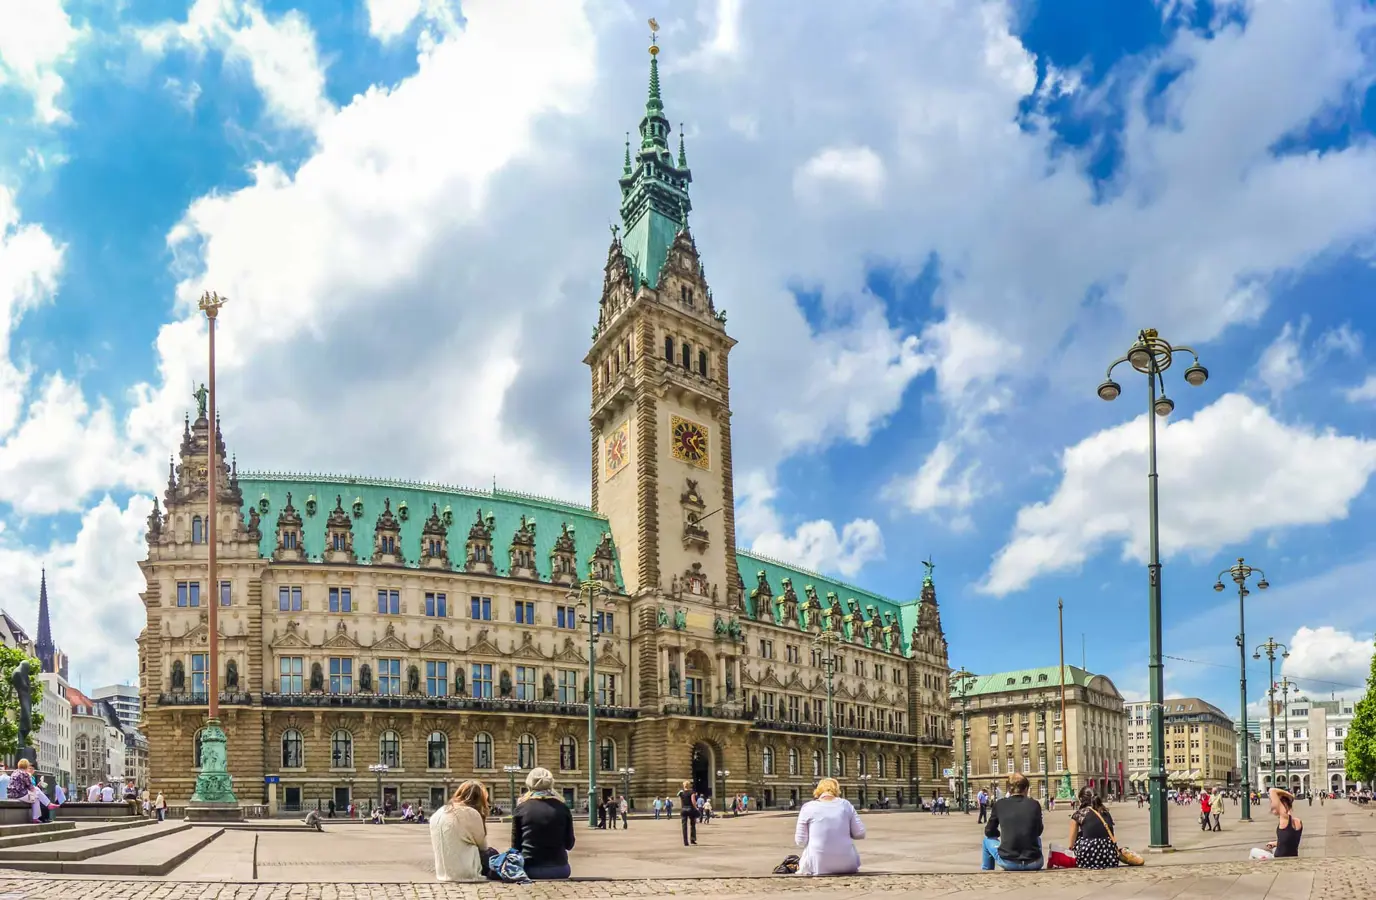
(654, 186)
(44, 646)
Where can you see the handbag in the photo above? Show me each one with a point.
(1126, 855)
(788, 867)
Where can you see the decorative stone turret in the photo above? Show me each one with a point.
(522, 552)
(831, 614)
(812, 609)
(563, 559)
(762, 597)
(603, 563)
(478, 550)
(788, 605)
(339, 534)
(434, 541)
(387, 538)
(290, 539)
(851, 621)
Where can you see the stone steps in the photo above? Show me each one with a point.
(84, 844)
(156, 855)
(64, 831)
(9, 831)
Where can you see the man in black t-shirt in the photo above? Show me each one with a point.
(688, 813)
(1013, 834)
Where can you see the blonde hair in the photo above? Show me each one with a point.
(687, 785)
(473, 794)
(22, 765)
(827, 786)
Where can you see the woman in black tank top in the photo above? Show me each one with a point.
(1288, 828)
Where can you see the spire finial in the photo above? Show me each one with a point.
(626, 162)
(655, 104)
(682, 154)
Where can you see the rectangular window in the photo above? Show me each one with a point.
(289, 599)
(768, 706)
(388, 602)
(568, 687)
(566, 617)
(341, 600)
(289, 540)
(338, 541)
(525, 612)
(291, 671)
(482, 680)
(606, 689)
(792, 709)
(225, 593)
(525, 683)
(766, 649)
(605, 622)
(341, 675)
(388, 544)
(188, 593)
(480, 608)
(994, 766)
(389, 677)
(200, 665)
(436, 605)
(436, 678)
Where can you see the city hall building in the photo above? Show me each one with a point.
(447, 633)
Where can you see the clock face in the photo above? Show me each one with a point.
(616, 449)
(689, 442)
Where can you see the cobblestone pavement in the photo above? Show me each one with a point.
(917, 855)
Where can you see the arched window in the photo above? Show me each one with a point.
(879, 765)
(669, 349)
(342, 750)
(482, 751)
(525, 751)
(898, 767)
(767, 756)
(792, 761)
(437, 750)
(568, 753)
(293, 749)
(197, 530)
(816, 763)
(389, 750)
(197, 763)
(687, 355)
(864, 763)
(702, 363)
(608, 755)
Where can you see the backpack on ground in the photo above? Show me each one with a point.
(788, 867)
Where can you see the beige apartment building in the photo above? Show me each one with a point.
(441, 633)
(1201, 745)
(1016, 725)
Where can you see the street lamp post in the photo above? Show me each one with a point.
(1271, 646)
(1285, 685)
(864, 778)
(722, 775)
(964, 682)
(626, 772)
(1151, 356)
(1240, 573)
(593, 589)
(511, 784)
(379, 769)
(827, 641)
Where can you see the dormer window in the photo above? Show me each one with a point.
(339, 541)
(290, 540)
(387, 544)
(434, 547)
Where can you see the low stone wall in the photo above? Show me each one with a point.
(80, 809)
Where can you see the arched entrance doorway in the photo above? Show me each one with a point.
(702, 768)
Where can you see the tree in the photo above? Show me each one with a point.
(1360, 742)
(10, 658)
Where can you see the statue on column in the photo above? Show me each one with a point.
(202, 398)
(23, 690)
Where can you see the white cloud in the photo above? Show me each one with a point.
(36, 38)
(941, 483)
(1362, 393)
(1231, 471)
(814, 544)
(854, 171)
(1280, 367)
(30, 264)
(390, 19)
(280, 52)
(1326, 660)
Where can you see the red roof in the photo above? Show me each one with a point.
(76, 698)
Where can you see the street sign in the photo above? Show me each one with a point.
(272, 779)
(947, 773)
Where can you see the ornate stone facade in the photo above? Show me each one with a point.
(444, 632)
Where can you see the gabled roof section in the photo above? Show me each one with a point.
(1029, 680)
(461, 503)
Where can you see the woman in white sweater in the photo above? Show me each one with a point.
(458, 835)
(828, 827)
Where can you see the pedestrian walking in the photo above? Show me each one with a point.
(982, 799)
(688, 813)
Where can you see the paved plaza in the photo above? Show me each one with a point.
(904, 853)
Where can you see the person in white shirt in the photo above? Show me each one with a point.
(93, 793)
(4, 781)
(828, 827)
(107, 794)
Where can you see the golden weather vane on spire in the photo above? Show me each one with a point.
(654, 37)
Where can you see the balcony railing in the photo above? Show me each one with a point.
(420, 701)
(202, 698)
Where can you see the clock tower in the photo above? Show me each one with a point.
(661, 412)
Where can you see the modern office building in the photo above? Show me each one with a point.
(54, 743)
(1310, 755)
(124, 698)
(1201, 744)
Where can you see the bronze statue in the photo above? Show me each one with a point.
(231, 676)
(23, 689)
(202, 398)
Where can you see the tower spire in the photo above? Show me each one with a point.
(44, 646)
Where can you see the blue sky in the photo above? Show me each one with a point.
(932, 226)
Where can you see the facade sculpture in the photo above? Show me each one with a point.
(465, 636)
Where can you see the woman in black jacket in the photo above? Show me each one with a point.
(1091, 833)
(542, 828)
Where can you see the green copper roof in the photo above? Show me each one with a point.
(750, 564)
(654, 190)
(1027, 680)
(506, 506)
